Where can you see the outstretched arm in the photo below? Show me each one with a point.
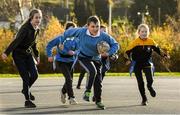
(50, 46)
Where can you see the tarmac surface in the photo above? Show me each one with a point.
(120, 96)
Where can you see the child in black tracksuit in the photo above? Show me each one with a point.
(139, 53)
(22, 47)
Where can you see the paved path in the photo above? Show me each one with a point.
(120, 95)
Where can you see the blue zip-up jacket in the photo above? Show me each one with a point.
(62, 55)
(88, 44)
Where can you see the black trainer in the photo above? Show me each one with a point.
(29, 104)
(78, 87)
(152, 92)
(144, 101)
(93, 99)
(31, 96)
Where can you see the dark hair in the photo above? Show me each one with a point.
(34, 11)
(70, 24)
(93, 19)
(31, 15)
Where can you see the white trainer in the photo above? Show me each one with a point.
(72, 101)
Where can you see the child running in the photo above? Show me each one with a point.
(64, 59)
(140, 54)
(89, 57)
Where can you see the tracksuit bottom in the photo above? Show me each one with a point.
(68, 75)
(27, 70)
(93, 68)
(149, 78)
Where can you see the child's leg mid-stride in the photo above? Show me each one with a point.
(93, 69)
(67, 87)
(149, 77)
(139, 77)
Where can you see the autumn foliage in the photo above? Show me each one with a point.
(166, 36)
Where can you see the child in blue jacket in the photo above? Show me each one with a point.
(64, 59)
(89, 57)
(105, 63)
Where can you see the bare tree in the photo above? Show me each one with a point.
(9, 9)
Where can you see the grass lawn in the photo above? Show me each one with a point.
(167, 74)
